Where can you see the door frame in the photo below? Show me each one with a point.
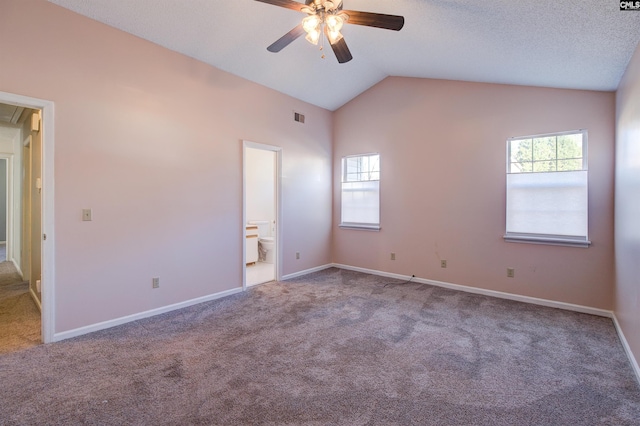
(48, 246)
(278, 205)
(9, 213)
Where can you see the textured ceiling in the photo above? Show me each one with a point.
(579, 44)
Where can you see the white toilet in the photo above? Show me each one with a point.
(266, 243)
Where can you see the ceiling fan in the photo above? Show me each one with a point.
(327, 16)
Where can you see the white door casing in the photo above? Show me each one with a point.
(48, 232)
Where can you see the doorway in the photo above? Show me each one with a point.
(20, 218)
(29, 212)
(261, 213)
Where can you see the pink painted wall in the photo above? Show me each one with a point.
(443, 148)
(627, 228)
(151, 141)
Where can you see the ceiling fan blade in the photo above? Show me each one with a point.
(341, 50)
(286, 39)
(377, 20)
(289, 4)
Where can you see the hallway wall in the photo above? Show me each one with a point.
(3, 200)
(11, 145)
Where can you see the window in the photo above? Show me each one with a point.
(547, 189)
(361, 191)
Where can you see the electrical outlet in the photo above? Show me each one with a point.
(156, 282)
(393, 256)
(297, 255)
(511, 272)
(443, 263)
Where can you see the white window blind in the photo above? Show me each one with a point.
(547, 189)
(361, 191)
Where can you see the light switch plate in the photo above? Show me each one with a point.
(87, 215)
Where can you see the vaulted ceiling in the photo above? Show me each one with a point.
(577, 44)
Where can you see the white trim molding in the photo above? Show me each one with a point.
(146, 314)
(309, 271)
(525, 299)
(35, 299)
(492, 293)
(485, 292)
(625, 344)
(554, 241)
(15, 264)
(10, 216)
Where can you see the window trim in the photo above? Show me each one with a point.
(554, 240)
(357, 225)
(549, 239)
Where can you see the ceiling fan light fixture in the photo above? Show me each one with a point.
(334, 22)
(334, 36)
(311, 23)
(325, 19)
(313, 36)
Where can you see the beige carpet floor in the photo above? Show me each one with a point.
(19, 315)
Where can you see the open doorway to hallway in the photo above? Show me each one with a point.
(20, 227)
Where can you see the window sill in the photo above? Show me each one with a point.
(359, 226)
(548, 240)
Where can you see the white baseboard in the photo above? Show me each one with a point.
(516, 297)
(17, 268)
(627, 348)
(307, 271)
(492, 293)
(35, 298)
(485, 292)
(129, 318)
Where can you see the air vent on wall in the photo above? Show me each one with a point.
(298, 117)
